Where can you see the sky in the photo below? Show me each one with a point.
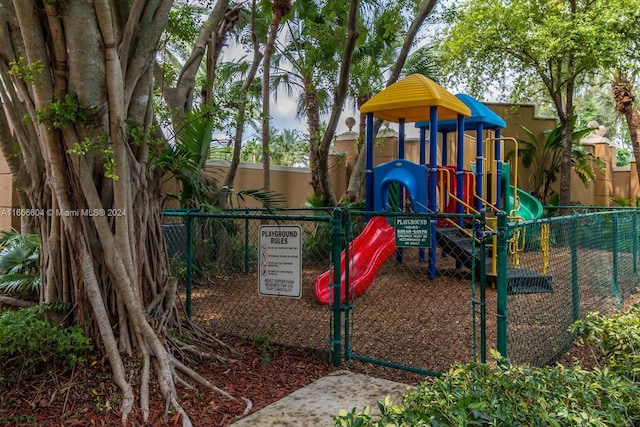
(283, 110)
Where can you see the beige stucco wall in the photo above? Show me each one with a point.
(385, 150)
(292, 182)
(625, 182)
(516, 117)
(8, 198)
(601, 191)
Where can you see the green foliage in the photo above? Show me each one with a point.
(621, 201)
(615, 340)
(28, 73)
(286, 148)
(19, 262)
(186, 159)
(29, 341)
(183, 23)
(316, 244)
(64, 113)
(623, 157)
(178, 266)
(218, 249)
(532, 42)
(264, 342)
(544, 159)
(520, 395)
(102, 147)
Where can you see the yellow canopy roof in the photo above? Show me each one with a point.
(411, 98)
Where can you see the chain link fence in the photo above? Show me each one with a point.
(216, 258)
(409, 307)
(422, 310)
(561, 268)
(415, 312)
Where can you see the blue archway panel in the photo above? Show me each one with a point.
(410, 175)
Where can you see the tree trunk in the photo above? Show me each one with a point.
(103, 250)
(357, 176)
(312, 111)
(566, 121)
(241, 118)
(624, 99)
(266, 90)
(355, 188)
(180, 97)
(323, 179)
(565, 163)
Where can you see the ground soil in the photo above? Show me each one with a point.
(87, 396)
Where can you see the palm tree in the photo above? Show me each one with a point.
(401, 62)
(625, 100)
(309, 61)
(279, 9)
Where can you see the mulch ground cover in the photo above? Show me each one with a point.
(87, 396)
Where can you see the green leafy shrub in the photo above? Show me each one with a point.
(615, 341)
(520, 395)
(19, 262)
(264, 342)
(28, 341)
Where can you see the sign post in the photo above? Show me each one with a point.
(280, 261)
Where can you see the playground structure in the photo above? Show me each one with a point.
(434, 185)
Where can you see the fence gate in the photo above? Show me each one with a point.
(411, 307)
(216, 257)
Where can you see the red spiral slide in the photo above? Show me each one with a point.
(367, 253)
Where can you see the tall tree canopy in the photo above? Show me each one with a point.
(499, 45)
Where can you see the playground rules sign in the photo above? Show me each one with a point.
(280, 261)
(412, 232)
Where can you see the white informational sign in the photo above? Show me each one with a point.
(413, 232)
(280, 261)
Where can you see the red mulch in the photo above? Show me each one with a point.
(88, 396)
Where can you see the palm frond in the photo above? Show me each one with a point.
(19, 262)
(269, 199)
(18, 282)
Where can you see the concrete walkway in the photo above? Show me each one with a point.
(316, 404)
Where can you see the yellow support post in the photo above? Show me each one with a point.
(544, 246)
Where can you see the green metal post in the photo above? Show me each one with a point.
(575, 289)
(246, 242)
(189, 220)
(336, 307)
(615, 249)
(347, 283)
(634, 241)
(474, 302)
(501, 284)
(483, 295)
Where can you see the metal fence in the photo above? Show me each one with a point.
(558, 269)
(216, 258)
(416, 309)
(422, 309)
